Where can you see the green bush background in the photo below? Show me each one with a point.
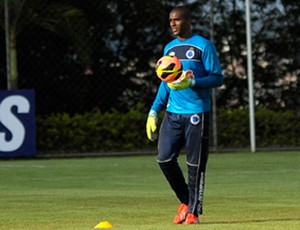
(104, 132)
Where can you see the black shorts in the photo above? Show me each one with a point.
(189, 131)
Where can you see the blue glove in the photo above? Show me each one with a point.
(185, 81)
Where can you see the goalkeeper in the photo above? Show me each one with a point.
(186, 120)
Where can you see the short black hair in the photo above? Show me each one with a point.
(186, 12)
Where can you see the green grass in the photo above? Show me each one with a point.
(243, 191)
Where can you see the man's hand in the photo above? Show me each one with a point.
(184, 82)
(151, 127)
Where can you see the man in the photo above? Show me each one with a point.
(186, 120)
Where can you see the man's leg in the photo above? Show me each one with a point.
(197, 134)
(169, 145)
(175, 177)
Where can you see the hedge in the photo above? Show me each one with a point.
(114, 131)
(93, 131)
(273, 129)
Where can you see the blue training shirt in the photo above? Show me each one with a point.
(199, 55)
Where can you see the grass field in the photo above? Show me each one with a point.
(243, 191)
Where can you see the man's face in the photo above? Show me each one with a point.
(179, 25)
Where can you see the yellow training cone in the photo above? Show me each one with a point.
(104, 224)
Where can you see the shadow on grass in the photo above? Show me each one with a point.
(252, 221)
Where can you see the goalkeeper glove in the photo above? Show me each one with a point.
(186, 80)
(151, 127)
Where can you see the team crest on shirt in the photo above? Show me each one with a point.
(195, 119)
(190, 53)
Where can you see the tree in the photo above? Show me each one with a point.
(55, 16)
(121, 40)
(275, 45)
(129, 36)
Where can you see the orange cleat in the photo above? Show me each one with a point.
(191, 219)
(182, 212)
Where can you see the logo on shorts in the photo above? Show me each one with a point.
(195, 119)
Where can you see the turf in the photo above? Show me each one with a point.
(243, 191)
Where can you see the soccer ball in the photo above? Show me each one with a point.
(168, 68)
